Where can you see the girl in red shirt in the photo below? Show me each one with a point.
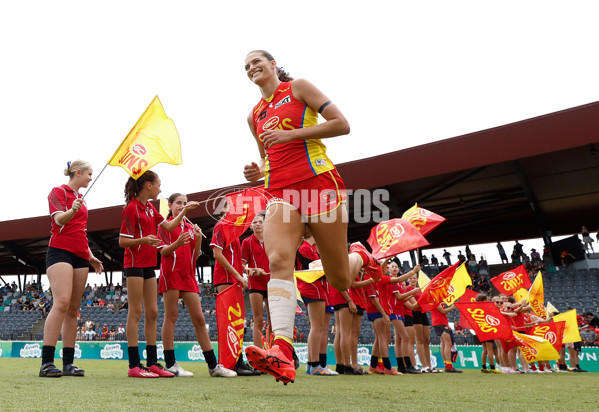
(67, 264)
(181, 248)
(138, 236)
(254, 257)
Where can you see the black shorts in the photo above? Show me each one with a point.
(408, 320)
(360, 310)
(264, 293)
(55, 255)
(441, 329)
(221, 284)
(420, 318)
(145, 273)
(340, 306)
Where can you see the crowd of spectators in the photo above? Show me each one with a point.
(31, 300)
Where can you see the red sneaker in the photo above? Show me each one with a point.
(157, 369)
(141, 372)
(376, 371)
(391, 372)
(271, 361)
(370, 264)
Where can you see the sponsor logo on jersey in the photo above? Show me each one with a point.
(262, 115)
(321, 162)
(286, 99)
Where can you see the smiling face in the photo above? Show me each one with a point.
(413, 280)
(178, 204)
(83, 177)
(259, 69)
(153, 188)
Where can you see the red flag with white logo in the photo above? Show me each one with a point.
(230, 314)
(512, 280)
(243, 207)
(486, 320)
(553, 332)
(395, 236)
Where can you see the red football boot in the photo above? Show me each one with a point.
(272, 361)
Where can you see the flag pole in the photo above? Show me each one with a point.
(95, 180)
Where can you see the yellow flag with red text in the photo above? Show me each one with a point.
(535, 348)
(458, 284)
(153, 139)
(163, 209)
(423, 280)
(536, 297)
(571, 333)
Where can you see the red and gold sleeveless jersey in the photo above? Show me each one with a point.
(295, 161)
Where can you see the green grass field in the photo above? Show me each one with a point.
(107, 387)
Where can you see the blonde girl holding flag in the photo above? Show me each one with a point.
(67, 265)
(140, 221)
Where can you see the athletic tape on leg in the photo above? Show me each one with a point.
(282, 303)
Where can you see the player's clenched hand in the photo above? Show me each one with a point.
(252, 172)
(277, 136)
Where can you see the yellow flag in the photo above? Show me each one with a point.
(551, 308)
(153, 139)
(423, 280)
(535, 348)
(457, 285)
(298, 295)
(571, 333)
(536, 297)
(520, 294)
(308, 276)
(163, 207)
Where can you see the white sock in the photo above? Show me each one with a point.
(282, 302)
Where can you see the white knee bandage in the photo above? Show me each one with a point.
(282, 302)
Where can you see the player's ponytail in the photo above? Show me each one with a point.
(281, 73)
(134, 187)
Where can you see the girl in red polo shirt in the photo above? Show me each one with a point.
(254, 257)
(138, 236)
(442, 329)
(181, 248)
(67, 264)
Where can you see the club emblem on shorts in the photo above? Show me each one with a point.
(328, 197)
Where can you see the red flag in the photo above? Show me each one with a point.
(392, 237)
(468, 296)
(437, 290)
(230, 314)
(486, 320)
(423, 220)
(553, 332)
(243, 206)
(512, 280)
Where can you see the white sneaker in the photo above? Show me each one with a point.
(179, 371)
(220, 371)
(330, 371)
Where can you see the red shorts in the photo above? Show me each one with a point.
(335, 297)
(177, 281)
(312, 197)
(316, 290)
(258, 282)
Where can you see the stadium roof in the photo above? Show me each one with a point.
(522, 180)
